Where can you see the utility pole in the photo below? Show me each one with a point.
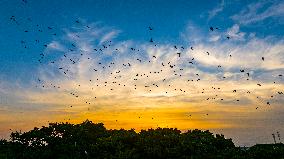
(273, 135)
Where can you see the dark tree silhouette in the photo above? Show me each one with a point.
(89, 140)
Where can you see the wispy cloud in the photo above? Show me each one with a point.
(56, 46)
(123, 74)
(234, 33)
(260, 11)
(120, 80)
(216, 10)
(109, 36)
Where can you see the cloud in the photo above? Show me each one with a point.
(245, 55)
(108, 36)
(214, 38)
(192, 33)
(216, 10)
(127, 75)
(234, 33)
(156, 72)
(56, 46)
(260, 11)
(133, 78)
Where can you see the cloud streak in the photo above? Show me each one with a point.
(216, 10)
(260, 11)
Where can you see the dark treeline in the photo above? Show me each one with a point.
(89, 140)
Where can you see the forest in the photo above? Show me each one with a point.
(93, 140)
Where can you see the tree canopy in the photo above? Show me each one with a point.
(90, 140)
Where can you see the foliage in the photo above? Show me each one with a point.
(89, 140)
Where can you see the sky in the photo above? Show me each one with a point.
(52, 68)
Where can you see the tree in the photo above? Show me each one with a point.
(89, 140)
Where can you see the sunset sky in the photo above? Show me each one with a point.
(50, 53)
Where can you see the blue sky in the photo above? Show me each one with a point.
(254, 28)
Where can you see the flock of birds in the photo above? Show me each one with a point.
(149, 87)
